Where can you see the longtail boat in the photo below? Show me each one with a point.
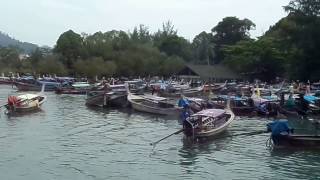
(186, 92)
(106, 96)
(153, 104)
(209, 122)
(25, 103)
(30, 84)
(75, 88)
(282, 136)
(239, 105)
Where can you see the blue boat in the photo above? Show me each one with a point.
(29, 83)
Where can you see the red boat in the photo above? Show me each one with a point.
(5, 80)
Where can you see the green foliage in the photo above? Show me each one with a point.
(9, 59)
(203, 48)
(231, 30)
(70, 45)
(228, 32)
(127, 54)
(94, 67)
(51, 65)
(290, 48)
(304, 7)
(172, 65)
(141, 35)
(36, 56)
(260, 59)
(167, 41)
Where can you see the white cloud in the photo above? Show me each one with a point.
(42, 21)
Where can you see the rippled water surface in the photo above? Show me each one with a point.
(67, 140)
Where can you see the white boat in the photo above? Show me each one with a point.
(209, 122)
(25, 102)
(187, 92)
(153, 104)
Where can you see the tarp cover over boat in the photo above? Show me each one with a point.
(28, 96)
(278, 127)
(310, 98)
(210, 113)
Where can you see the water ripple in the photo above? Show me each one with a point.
(67, 140)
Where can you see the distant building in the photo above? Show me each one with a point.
(23, 56)
(213, 73)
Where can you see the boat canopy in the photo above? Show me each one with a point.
(4, 78)
(195, 99)
(81, 85)
(156, 98)
(235, 98)
(210, 113)
(28, 96)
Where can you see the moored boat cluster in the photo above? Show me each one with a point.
(206, 109)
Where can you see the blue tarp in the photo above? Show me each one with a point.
(183, 103)
(270, 98)
(184, 115)
(278, 127)
(310, 98)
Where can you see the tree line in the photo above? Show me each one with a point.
(289, 49)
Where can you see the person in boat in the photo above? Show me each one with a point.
(186, 111)
(279, 129)
(308, 88)
(183, 101)
(185, 114)
(152, 90)
(290, 104)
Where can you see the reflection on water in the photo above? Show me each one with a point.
(68, 140)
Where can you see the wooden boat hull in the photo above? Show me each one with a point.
(238, 111)
(152, 110)
(96, 100)
(288, 113)
(242, 111)
(189, 93)
(27, 106)
(208, 125)
(33, 87)
(176, 95)
(70, 91)
(103, 99)
(144, 107)
(118, 101)
(27, 109)
(297, 141)
(7, 82)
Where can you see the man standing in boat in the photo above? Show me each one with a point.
(186, 111)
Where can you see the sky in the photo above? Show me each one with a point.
(43, 21)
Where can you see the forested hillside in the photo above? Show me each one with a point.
(24, 47)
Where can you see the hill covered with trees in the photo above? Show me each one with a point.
(23, 47)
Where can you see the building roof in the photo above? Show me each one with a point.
(211, 71)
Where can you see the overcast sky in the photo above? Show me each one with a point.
(42, 21)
